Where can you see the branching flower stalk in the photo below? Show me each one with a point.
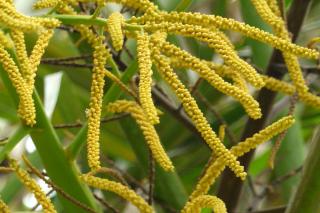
(215, 169)
(33, 187)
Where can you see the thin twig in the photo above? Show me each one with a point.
(68, 64)
(276, 146)
(105, 204)
(151, 178)
(6, 170)
(55, 187)
(79, 124)
(67, 59)
(38, 204)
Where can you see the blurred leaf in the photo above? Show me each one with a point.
(289, 157)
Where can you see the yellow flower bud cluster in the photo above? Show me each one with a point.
(27, 109)
(33, 187)
(37, 53)
(195, 113)
(100, 55)
(141, 5)
(214, 170)
(205, 201)
(22, 74)
(119, 189)
(209, 21)
(147, 128)
(290, 59)
(3, 207)
(46, 4)
(11, 18)
(250, 105)
(145, 83)
(214, 41)
(4, 40)
(114, 28)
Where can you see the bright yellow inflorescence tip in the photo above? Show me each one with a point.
(205, 201)
(114, 27)
(147, 128)
(119, 189)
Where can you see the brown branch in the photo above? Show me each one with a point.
(38, 204)
(79, 124)
(230, 186)
(55, 187)
(105, 204)
(151, 178)
(67, 59)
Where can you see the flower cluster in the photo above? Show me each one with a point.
(205, 201)
(119, 189)
(33, 187)
(3, 207)
(145, 83)
(150, 30)
(147, 128)
(22, 74)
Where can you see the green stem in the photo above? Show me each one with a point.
(20, 133)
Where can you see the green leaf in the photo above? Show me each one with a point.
(307, 196)
(20, 133)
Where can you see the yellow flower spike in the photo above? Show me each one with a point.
(4, 40)
(15, 20)
(251, 106)
(114, 27)
(141, 5)
(27, 111)
(290, 59)
(274, 6)
(147, 128)
(21, 51)
(100, 55)
(3, 207)
(37, 53)
(209, 21)
(214, 41)
(145, 83)
(119, 189)
(32, 186)
(205, 201)
(237, 79)
(276, 85)
(41, 4)
(192, 109)
(214, 170)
